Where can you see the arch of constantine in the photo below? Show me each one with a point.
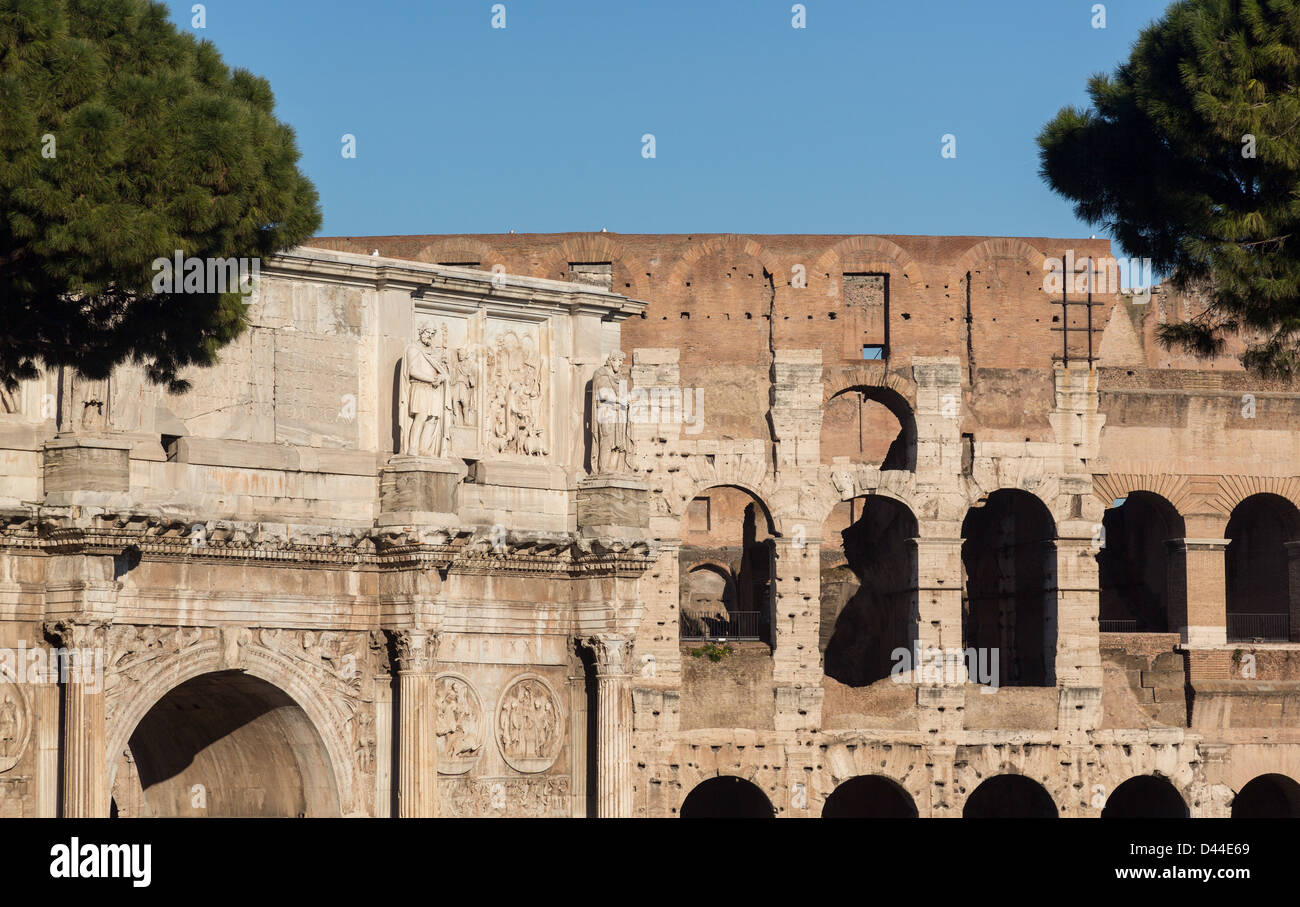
(614, 525)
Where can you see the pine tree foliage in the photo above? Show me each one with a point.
(1190, 155)
(157, 146)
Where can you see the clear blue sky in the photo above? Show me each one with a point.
(759, 127)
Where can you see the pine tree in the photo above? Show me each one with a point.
(1190, 155)
(123, 140)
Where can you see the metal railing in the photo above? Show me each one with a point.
(1262, 627)
(739, 625)
(1118, 626)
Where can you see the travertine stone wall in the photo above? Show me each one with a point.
(492, 631)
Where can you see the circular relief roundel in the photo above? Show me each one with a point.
(15, 725)
(530, 726)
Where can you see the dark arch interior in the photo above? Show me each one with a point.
(869, 599)
(1009, 561)
(726, 797)
(1145, 797)
(869, 797)
(1268, 797)
(1259, 588)
(1009, 797)
(229, 745)
(1134, 564)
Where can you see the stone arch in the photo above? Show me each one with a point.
(703, 760)
(902, 450)
(868, 253)
(228, 744)
(869, 374)
(281, 672)
(460, 248)
(1142, 584)
(989, 249)
(725, 243)
(752, 481)
(868, 603)
(1262, 600)
(1233, 490)
(726, 797)
(1010, 796)
(1009, 599)
(870, 797)
(1146, 797)
(591, 247)
(1170, 486)
(1270, 796)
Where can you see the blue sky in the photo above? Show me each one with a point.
(759, 127)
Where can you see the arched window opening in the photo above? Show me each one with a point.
(1009, 607)
(1136, 568)
(869, 588)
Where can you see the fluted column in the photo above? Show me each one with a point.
(417, 740)
(85, 768)
(613, 657)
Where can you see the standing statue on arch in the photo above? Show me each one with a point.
(611, 444)
(424, 402)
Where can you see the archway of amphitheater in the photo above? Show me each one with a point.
(226, 745)
(1145, 797)
(726, 797)
(1008, 558)
(1137, 572)
(1259, 589)
(1268, 797)
(869, 797)
(873, 425)
(1010, 797)
(868, 588)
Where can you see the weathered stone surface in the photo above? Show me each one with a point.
(497, 633)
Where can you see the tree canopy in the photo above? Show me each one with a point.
(123, 140)
(1190, 156)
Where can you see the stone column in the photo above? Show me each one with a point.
(85, 766)
(417, 737)
(1198, 608)
(578, 744)
(1293, 588)
(613, 655)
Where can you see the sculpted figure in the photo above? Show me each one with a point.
(424, 395)
(8, 727)
(462, 394)
(610, 443)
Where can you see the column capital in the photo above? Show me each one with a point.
(73, 633)
(417, 651)
(613, 654)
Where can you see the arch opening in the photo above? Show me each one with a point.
(1010, 797)
(726, 797)
(1268, 797)
(1145, 797)
(726, 567)
(873, 425)
(225, 744)
(1263, 602)
(868, 589)
(1141, 583)
(1009, 581)
(869, 797)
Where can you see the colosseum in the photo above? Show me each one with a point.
(613, 525)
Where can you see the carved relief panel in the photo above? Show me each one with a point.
(530, 725)
(15, 724)
(460, 724)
